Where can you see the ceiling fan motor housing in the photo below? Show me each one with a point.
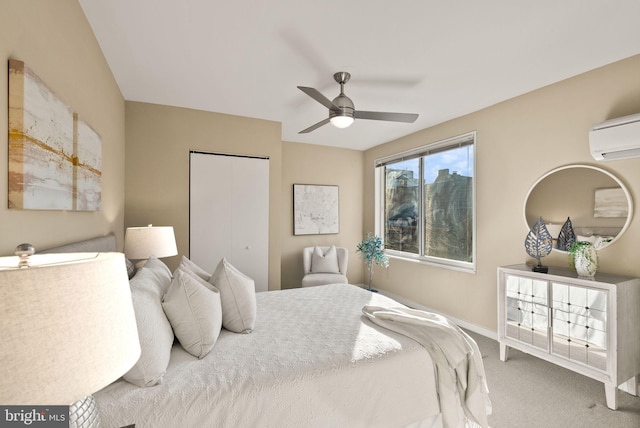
(343, 102)
(345, 106)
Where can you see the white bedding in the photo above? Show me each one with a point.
(312, 360)
(462, 386)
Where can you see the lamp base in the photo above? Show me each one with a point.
(84, 413)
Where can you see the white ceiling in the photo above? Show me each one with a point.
(441, 59)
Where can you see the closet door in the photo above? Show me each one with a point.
(229, 213)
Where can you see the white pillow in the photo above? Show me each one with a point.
(325, 263)
(238, 297)
(154, 330)
(194, 311)
(160, 271)
(190, 266)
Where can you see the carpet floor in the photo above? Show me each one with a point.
(527, 392)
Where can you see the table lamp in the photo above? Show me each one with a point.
(68, 329)
(140, 243)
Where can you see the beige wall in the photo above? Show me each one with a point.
(311, 164)
(159, 139)
(54, 39)
(517, 142)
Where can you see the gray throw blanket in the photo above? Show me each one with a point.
(460, 374)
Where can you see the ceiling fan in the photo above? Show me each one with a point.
(342, 113)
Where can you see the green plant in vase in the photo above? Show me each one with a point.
(371, 250)
(583, 257)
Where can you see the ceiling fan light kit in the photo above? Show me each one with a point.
(342, 112)
(341, 121)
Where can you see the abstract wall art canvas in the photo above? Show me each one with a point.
(55, 158)
(315, 209)
(610, 203)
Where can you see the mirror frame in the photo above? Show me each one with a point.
(595, 168)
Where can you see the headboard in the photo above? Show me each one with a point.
(100, 244)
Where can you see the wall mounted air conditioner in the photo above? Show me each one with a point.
(616, 138)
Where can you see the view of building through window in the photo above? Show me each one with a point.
(402, 200)
(428, 204)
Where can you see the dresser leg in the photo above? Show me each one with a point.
(504, 352)
(611, 392)
(631, 386)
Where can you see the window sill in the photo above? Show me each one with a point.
(467, 268)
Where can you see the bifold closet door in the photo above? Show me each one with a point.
(229, 213)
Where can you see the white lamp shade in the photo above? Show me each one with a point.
(68, 329)
(341, 121)
(143, 242)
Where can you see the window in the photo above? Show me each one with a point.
(426, 203)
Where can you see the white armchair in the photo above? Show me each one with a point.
(324, 265)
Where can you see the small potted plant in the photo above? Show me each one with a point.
(583, 257)
(372, 251)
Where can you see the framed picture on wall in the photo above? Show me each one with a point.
(610, 203)
(315, 209)
(55, 157)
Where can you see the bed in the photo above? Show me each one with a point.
(315, 357)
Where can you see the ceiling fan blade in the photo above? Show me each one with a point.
(392, 117)
(316, 95)
(312, 127)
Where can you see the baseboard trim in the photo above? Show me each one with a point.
(464, 324)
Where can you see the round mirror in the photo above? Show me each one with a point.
(597, 203)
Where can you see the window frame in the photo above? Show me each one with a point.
(425, 150)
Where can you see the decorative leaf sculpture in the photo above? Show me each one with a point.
(566, 236)
(538, 243)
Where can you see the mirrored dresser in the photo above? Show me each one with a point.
(588, 325)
